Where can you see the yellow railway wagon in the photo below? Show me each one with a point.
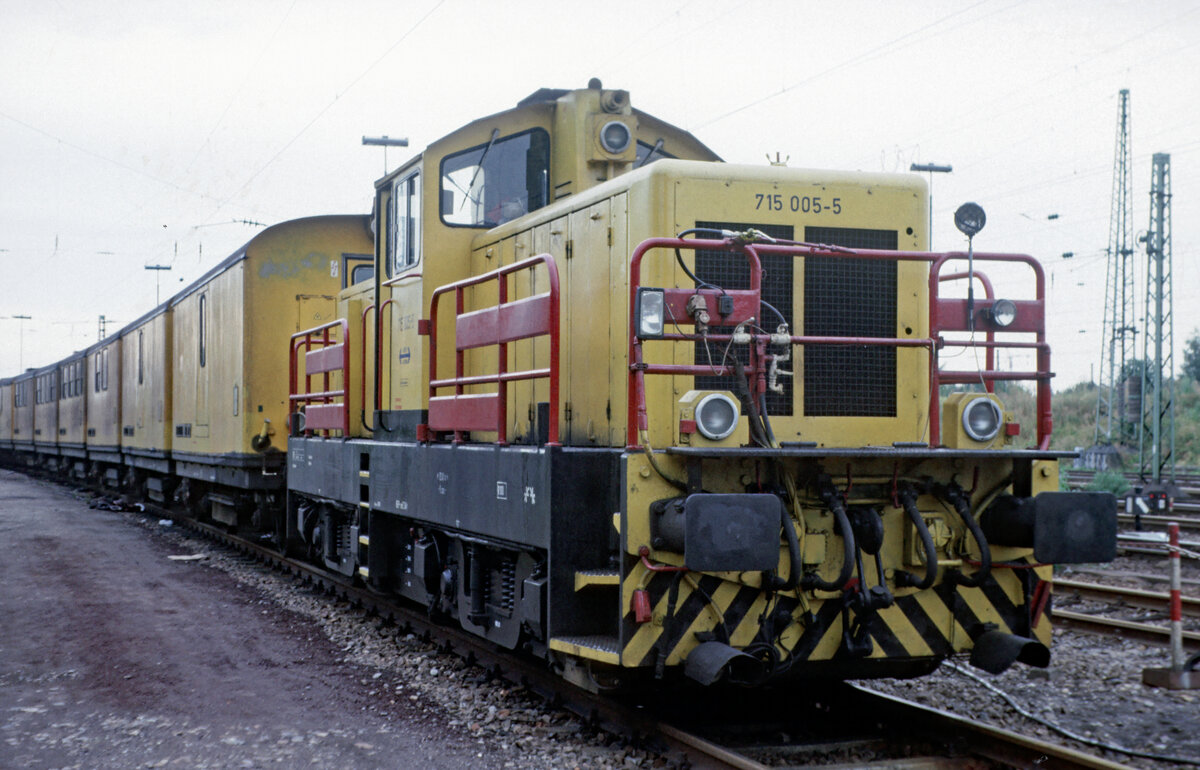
(230, 361)
(72, 413)
(6, 413)
(102, 385)
(22, 426)
(145, 400)
(45, 412)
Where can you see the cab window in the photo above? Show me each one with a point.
(648, 153)
(405, 240)
(497, 181)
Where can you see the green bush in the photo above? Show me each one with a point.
(1108, 481)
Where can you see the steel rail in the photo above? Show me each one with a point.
(996, 743)
(1133, 597)
(1126, 629)
(1160, 521)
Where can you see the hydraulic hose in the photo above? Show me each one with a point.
(815, 581)
(742, 388)
(797, 565)
(956, 497)
(908, 499)
(766, 421)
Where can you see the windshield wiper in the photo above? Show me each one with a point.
(478, 168)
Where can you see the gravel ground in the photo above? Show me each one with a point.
(1093, 687)
(511, 727)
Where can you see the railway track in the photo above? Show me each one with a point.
(1125, 629)
(1126, 597)
(1131, 597)
(1160, 522)
(715, 732)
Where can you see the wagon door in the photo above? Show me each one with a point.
(314, 310)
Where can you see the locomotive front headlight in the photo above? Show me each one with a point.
(1002, 313)
(651, 315)
(981, 419)
(716, 416)
(615, 137)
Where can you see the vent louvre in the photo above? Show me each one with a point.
(848, 297)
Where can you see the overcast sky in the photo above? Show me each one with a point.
(138, 133)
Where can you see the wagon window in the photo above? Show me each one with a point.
(203, 328)
(141, 359)
(496, 181)
(357, 268)
(360, 273)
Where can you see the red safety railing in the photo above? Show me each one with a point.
(324, 354)
(497, 326)
(945, 315)
(378, 348)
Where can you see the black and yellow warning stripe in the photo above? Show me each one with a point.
(920, 624)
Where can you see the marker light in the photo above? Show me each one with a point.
(981, 419)
(650, 313)
(716, 416)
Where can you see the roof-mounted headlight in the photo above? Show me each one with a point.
(615, 137)
(716, 416)
(651, 313)
(981, 419)
(1002, 313)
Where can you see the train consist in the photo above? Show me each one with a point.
(592, 393)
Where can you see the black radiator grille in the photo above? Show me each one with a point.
(847, 297)
(730, 271)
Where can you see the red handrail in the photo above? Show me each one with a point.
(945, 315)
(323, 354)
(377, 347)
(496, 326)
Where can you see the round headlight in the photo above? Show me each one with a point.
(981, 419)
(615, 137)
(1004, 312)
(716, 416)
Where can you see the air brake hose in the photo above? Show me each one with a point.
(814, 581)
(956, 497)
(766, 420)
(742, 389)
(797, 565)
(908, 499)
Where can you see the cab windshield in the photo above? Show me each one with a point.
(497, 181)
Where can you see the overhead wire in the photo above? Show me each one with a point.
(866, 56)
(321, 113)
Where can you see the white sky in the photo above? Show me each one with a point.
(135, 133)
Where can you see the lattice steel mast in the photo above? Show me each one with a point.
(1117, 345)
(1156, 449)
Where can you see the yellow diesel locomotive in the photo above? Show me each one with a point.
(647, 414)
